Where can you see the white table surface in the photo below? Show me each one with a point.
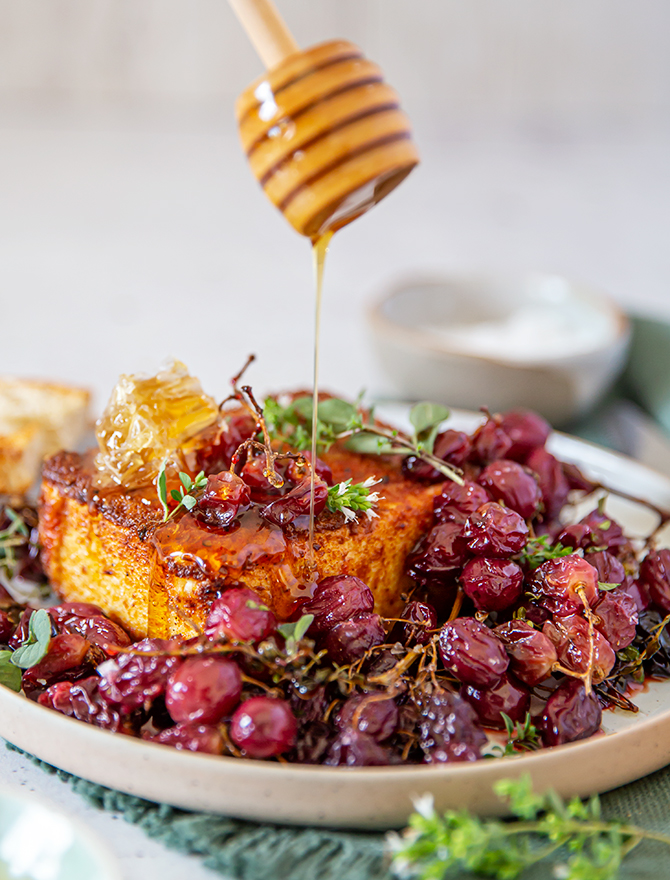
(124, 242)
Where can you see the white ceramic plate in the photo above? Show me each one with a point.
(632, 745)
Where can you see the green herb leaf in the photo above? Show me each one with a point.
(372, 444)
(427, 415)
(539, 550)
(437, 846)
(10, 674)
(607, 587)
(37, 641)
(189, 502)
(161, 485)
(298, 629)
(186, 481)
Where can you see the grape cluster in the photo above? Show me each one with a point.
(512, 617)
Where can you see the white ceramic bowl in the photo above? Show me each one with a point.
(538, 341)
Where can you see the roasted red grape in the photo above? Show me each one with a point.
(494, 530)
(203, 689)
(224, 497)
(337, 599)
(509, 483)
(532, 655)
(570, 714)
(240, 615)
(507, 695)
(456, 503)
(472, 652)
(263, 727)
(566, 584)
(449, 730)
(526, 429)
(492, 584)
(350, 640)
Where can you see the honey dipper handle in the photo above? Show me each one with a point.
(266, 29)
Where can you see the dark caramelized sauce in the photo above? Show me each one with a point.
(185, 544)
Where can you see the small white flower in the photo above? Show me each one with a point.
(371, 481)
(349, 514)
(342, 487)
(424, 805)
(371, 514)
(374, 497)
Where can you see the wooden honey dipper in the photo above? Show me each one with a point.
(324, 134)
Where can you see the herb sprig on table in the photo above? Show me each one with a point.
(434, 845)
(339, 420)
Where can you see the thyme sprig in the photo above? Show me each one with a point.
(521, 737)
(432, 845)
(540, 549)
(14, 536)
(186, 495)
(351, 498)
(339, 420)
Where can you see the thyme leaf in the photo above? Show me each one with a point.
(185, 496)
(591, 848)
(539, 550)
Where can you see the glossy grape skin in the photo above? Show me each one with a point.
(526, 429)
(377, 718)
(422, 618)
(508, 482)
(655, 575)
(617, 618)
(610, 569)
(551, 480)
(570, 714)
(490, 443)
(455, 503)
(571, 639)
(7, 627)
(495, 531)
(532, 655)
(452, 447)
(492, 584)
(560, 581)
(82, 700)
(98, 630)
(507, 695)
(354, 748)
(350, 640)
(225, 496)
(192, 737)
(134, 680)
(263, 727)
(472, 652)
(67, 651)
(442, 551)
(296, 502)
(336, 599)
(216, 456)
(296, 471)
(240, 615)
(203, 689)
(448, 729)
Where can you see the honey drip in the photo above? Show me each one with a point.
(319, 251)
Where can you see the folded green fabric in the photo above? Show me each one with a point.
(646, 377)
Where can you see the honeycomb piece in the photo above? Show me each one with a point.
(147, 419)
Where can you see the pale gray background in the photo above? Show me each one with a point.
(131, 229)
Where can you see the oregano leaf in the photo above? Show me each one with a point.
(10, 674)
(426, 415)
(189, 502)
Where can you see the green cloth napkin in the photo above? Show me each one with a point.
(646, 378)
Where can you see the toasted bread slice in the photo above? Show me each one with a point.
(36, 419)
(160, 579)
